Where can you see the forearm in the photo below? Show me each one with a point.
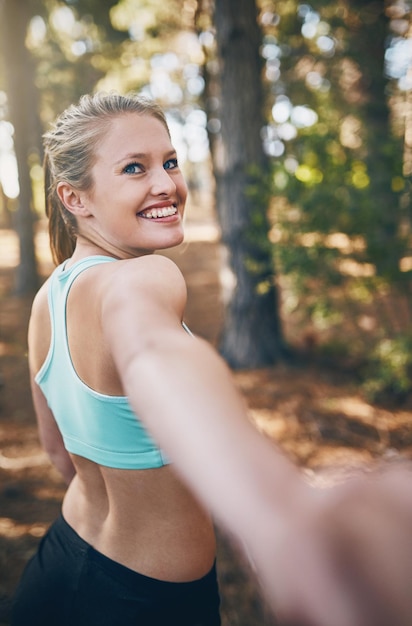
(194, 411)
(62, 462)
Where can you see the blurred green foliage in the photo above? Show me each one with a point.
(338, 109)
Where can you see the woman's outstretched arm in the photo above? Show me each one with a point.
(336, 557)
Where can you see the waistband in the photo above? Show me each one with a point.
(124, 574)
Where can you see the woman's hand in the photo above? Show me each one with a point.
(347, 559)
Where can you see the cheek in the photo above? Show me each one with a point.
(183, 190)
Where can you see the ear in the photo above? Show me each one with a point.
(72, 199)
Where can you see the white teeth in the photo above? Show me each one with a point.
(155, 213)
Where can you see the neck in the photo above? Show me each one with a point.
(87, 247)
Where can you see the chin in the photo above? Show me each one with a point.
(171, 242)
(168, 246)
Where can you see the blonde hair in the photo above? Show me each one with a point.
(70, 147)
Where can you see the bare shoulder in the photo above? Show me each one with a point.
(149, 290)
(39, 328)
(39, 309)
(40, 299)
(155, 278)
(153, 269)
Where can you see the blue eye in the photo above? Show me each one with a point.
(171, 164)
(132, 168)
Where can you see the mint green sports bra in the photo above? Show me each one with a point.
(99, 427)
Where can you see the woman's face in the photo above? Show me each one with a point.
(138, 197)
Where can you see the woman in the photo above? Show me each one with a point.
(145, 424)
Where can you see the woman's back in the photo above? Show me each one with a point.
(144, 519)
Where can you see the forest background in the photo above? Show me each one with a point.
(293, 124)
(298, 116)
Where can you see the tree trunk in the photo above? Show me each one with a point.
(14, 20)
(252, 335)
(367, 44)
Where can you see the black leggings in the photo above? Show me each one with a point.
(69, 583)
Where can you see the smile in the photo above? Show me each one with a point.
(154, 214)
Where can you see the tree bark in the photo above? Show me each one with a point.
(15, 17)
(252, 334)
(367, 45)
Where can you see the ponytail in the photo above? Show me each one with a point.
(62, 225)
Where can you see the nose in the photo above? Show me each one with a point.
(162, 182)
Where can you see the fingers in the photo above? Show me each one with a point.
(321, 599)
(376, 547)
(369, 531)
(348, 562)
(306, 589)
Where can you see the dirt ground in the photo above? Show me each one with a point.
(315, 413)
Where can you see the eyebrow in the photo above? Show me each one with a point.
(142, 155)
